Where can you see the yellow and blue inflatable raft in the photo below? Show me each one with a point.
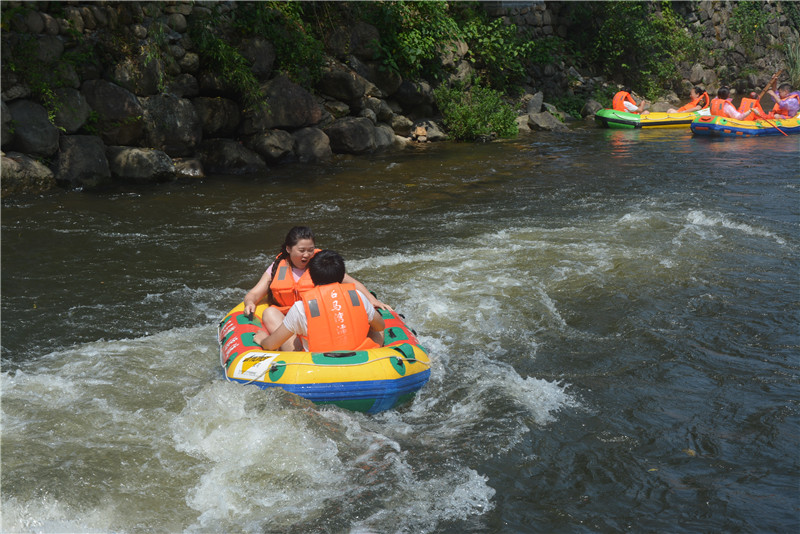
(725, 127)
(366, 381)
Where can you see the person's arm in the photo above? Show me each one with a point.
(733, 113)
(370, 297)
(274, 340)
(259, 291)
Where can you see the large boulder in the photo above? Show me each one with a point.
(7, 131)
(219, 116)
(288, 107)
(139, 74)
(33, 132)
(73, 110)
(384, 136)
(545, 121)
(226, 156)
(351, 135)
(415, 98)
(23, 174)
(119, 113)
(82, 162)
(345, 84)
(171, 124)
(387, 80)
(312, 145)
(134, 164)
(274, 146)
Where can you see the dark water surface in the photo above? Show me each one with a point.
(612, 315)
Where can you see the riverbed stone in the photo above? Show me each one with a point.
(7, 131)
(188, 168)
(171, 124)
(119, 113)
(82, 162)
(219, 116)
(312, 145)
(24, 175)
(351, 135)
(289, 107)
(34, 134)
(545, 121)
(345, 84)
(226, 156)
(274, 146)
(140, 165)
(73, 110)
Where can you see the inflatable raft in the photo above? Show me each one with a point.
(366, 381)
(724, 127)
(610, 118)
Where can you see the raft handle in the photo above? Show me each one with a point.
(339, 354)
(412, 359)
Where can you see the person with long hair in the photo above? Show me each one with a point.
(287, 278)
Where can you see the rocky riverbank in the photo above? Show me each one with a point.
(75, 115)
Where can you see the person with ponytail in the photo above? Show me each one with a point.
(287, 278)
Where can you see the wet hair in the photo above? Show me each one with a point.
(723, 92)
(292, 238)
(785, 87)
(697, 90)
(326, 267)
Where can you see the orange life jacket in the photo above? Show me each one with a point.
(621, 97)
(696, 102)
(285, 290)
(336, 319)
(783, 111)
(718, 107)
(752, 105)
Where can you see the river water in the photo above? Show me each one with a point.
(612, 318)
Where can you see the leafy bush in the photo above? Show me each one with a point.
(638, 46)
(475, 114)
(793, 63)
(749, 20)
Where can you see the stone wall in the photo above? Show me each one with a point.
(75, 116)
(724, 60)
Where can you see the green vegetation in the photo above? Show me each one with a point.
(477, 113)
(638, 47)
(793, 63)
(749, 20)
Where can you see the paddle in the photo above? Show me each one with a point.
(768, 122)
(772, 82)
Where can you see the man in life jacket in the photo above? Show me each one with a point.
(331, 316)
(787, 103)
(623, 101)
(722, 106)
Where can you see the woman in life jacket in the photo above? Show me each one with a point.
(787, 103)
(287, 278)
(722, 106)
(332, 316)
(699, 100)
(623, 101)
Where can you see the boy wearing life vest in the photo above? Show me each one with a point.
(331, 316)
(722, 106)
(699, 100)
(787, 103)
(752, 107)
(623, 101)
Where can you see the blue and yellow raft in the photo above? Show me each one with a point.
(366, 381)
(725, 127)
